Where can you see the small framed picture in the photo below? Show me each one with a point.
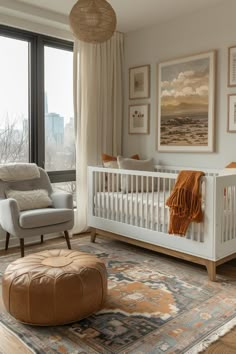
(232, 113)
(139, 82)
(139, 119)
(232, 66)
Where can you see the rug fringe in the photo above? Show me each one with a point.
(213, 337)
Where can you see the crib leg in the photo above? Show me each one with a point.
(93, 235)
(211, 270)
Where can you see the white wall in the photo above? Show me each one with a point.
(214, 28)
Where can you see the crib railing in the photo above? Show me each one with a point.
(225, 214)
(213, 172)
(136, 198)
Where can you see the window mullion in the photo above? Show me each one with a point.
(40, 103)
(33, 100)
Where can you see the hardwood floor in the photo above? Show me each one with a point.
(9, 344)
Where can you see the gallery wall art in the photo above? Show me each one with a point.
(232, 113)
(139, 119)
(139, 82)
(232, 66)
(186, 102)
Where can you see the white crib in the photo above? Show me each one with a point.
(138, 213)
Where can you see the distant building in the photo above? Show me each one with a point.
(54, 128)
(46, 103)
(69, 133)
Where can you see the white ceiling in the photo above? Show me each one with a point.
(131, 14)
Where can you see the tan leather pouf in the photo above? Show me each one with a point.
(54, 287)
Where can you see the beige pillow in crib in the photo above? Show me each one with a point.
(32, 199)
(139, 165)
(109, 161)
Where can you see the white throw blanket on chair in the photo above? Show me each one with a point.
(12, 172)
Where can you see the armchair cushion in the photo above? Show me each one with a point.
(31, 199)
(44, 217)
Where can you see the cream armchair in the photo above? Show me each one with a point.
(37, 222)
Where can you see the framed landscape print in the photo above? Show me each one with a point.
(232, 66)
(232, 113)
(139, 82)
(186, 100)
(139, 119)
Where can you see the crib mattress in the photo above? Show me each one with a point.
(140, 207)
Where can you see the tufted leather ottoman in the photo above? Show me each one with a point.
(54, 287)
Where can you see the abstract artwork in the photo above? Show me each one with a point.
(139, 82)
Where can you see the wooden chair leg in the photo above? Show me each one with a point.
(22, 247)
(41, 238)
(93, 235)
(67, 239)
(7, 241)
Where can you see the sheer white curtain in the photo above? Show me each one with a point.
(98, 101)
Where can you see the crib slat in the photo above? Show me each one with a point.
(95, 212)
(164, 205)
(230, 214)
(131, 205)
(201, 232)
(117, 196)
(158, 204)
(122, 200)
(107, 197)
(101, 206)
(142, 221)
(126, 199)
(223, 216)
(227, 214)
(112, 196)
(136, 201)
(152, 205)
(147, 202)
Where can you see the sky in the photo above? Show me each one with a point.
(185, 83)
(14, 80)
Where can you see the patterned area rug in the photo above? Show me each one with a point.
(156, 304)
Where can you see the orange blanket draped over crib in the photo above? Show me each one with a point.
(185, 202)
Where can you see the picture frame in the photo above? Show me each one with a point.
(232, 66)
(139, 119)
(231, 126)
(139, 82)
(186, 103)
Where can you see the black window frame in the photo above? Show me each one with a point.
(37, 42)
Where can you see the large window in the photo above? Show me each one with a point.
(59, 121)
(14, 103)
(36, 109)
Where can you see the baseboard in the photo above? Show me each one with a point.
(14, 241)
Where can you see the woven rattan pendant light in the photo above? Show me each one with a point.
(93, 21)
